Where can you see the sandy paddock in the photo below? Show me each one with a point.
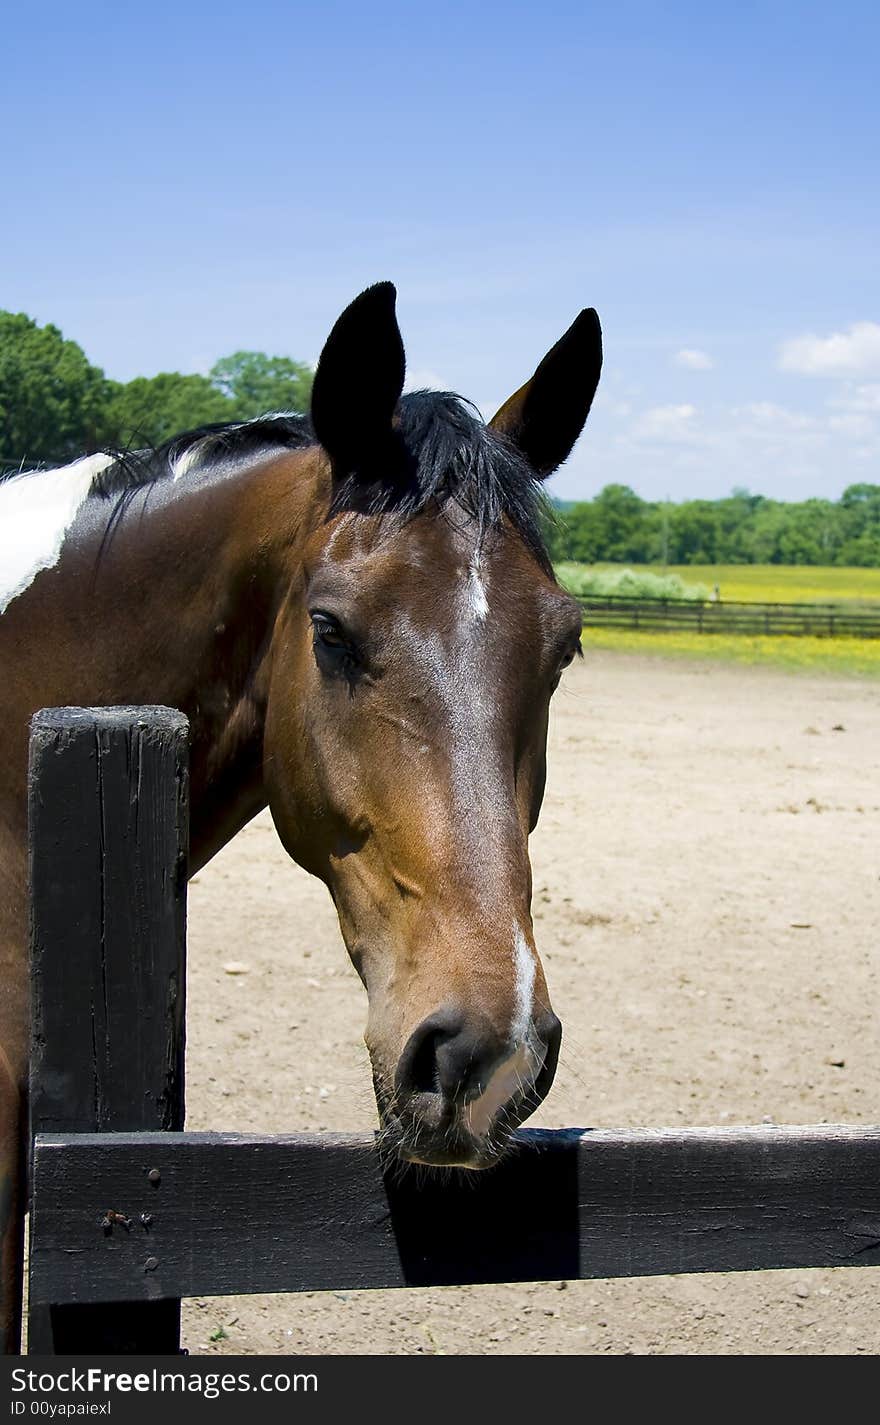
(707, 887)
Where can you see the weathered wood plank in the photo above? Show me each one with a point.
(108, 860)
(236, 1214)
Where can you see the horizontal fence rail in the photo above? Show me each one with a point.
(122, 1217)
(722, 616)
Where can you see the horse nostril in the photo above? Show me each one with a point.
(419, 1070)
(424, 1072)
(450, 1057)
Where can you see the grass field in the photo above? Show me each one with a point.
(777, 583)
(763, 583)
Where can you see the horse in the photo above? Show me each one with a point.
(357, 613)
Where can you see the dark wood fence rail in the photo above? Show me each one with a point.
(129, 1214)
(722, 616)
(216, 1214)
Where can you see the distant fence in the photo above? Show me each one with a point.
(720, 616)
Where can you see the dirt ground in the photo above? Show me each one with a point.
(707, 888)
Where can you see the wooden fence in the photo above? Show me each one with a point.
(129, 1213)
(722, 616)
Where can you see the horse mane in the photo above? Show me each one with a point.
(202, 448)
(451, 458)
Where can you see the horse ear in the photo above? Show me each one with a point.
(359, 380)
(544, 418)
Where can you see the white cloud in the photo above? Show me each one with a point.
(768, 417)
(684, 451)
(853, 423)
(858, 398)
(692, 359)
(671, 424)
(855, 352)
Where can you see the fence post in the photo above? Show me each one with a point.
(108, 863)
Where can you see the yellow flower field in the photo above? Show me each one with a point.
(856, 657)
(762, 583)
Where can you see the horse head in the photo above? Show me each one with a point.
(412, 662)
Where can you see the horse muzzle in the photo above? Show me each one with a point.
(461, 1089)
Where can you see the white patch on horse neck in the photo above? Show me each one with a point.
(525, 966)
(36, 511)
(476, 603)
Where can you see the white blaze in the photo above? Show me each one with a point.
(516, 1074)
(475, 591)
(36, 511)
(524, 963)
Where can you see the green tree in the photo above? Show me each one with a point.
(52, 399)
(693, 533)
(859, 523)
(256, 384)
(623, 526)
(735, 521)
(576, 535)
(152, 409)
(618, 527)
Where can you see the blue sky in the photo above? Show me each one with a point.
(182, 180)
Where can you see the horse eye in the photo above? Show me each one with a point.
(563, 664)
(328, 631)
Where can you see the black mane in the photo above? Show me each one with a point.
(207, 445)
(450, 457)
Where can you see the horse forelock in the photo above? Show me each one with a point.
(447, 455)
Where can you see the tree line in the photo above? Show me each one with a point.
(617, 526)
(55, 404)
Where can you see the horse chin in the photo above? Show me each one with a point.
(472, 1160)
(430, 1140)
(431, 1134)
(410, 1144)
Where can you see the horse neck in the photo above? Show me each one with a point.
(216, 559)
(273, 510)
